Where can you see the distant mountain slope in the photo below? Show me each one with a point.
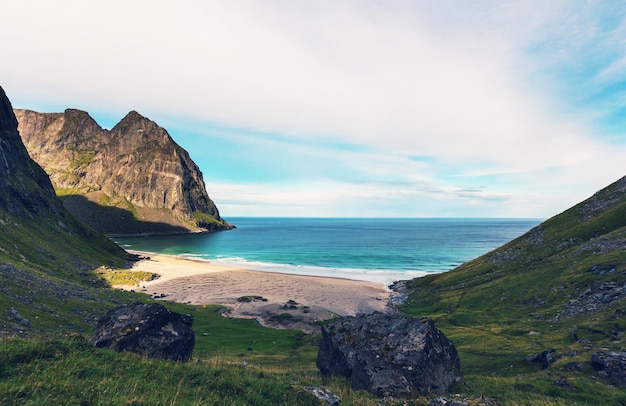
(561, 286)
(579, 249)
(133, 179)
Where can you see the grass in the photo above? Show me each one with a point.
(124, 276)
(205, 220)
(497, 309)
(511, 303)
(237, 363)
(74, 372)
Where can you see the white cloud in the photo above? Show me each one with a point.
(459, 83)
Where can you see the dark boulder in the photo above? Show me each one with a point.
(389, 354)
(146, 329)
(612, 365)
(545, 358)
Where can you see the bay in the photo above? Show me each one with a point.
(375, 249)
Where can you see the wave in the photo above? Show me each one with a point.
(385, 276)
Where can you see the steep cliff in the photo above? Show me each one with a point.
(25, 189)
(37, 231)
(132, 179)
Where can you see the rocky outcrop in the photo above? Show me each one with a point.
(146, 329)
(595, 298)
(25, 189)
(389, 354)
(612, 365)
(545, 358)
(132, 179)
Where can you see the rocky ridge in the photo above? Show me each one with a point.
(133, 179)
(26, 189)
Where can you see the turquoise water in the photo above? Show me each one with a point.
(367, 249)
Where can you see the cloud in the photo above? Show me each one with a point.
(327, 104)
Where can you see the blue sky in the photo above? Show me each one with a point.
(348, 108)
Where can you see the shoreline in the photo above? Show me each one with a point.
(382, 276)
(273, 299)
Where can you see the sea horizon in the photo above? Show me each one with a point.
(377, 249)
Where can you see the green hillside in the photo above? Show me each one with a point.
(560, 286)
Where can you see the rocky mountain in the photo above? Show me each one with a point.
(133, 179)
(25, 188)
(30, 210)
(46, 255)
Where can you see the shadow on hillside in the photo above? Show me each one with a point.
(115, 221)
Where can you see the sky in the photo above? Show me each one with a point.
(341, 108)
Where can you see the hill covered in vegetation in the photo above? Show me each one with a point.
(555, 296)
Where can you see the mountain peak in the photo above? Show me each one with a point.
(133, 115)
(135, 167)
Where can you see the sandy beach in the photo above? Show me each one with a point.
(273, 299)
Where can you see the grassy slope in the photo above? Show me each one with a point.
(54, 281)
(506, 305)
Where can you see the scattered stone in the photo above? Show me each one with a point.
(593, 299)
(252, 298)
(15, 316)
(535, 302)
(290, 306)
(573, 366)
(611, 364)
(602, 269)
(146, 329)
(441, 401)
(323, 394)
(564, 383)
(399, 293)
(545, 358)
(389, 354)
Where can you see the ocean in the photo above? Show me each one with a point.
(381, 250)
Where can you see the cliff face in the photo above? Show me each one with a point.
(37, 231)
(131, 179)
(25, 189)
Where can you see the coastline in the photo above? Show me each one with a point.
(273, 299)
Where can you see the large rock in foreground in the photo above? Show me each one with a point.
(149, 330)
(389, 355)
